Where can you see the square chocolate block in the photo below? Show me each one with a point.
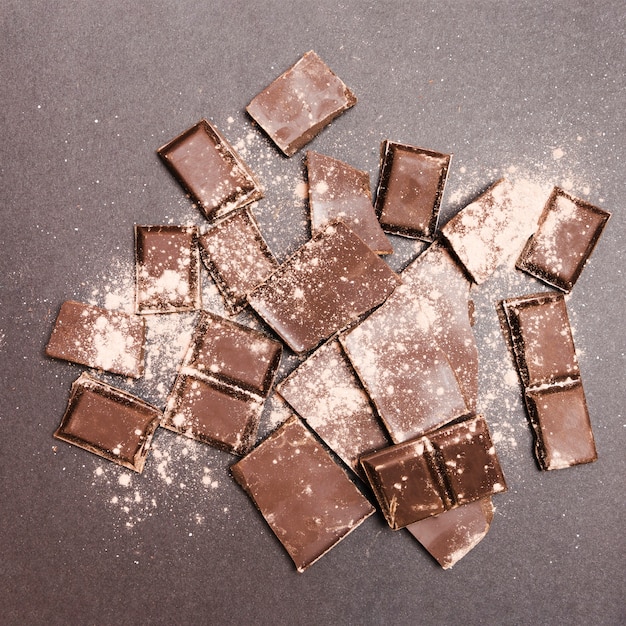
(111, 341)
(568, 231)
(410, 189)
(210, 170)
(109, 422)
(294, 108)
(303, 494)
(237, 257)
(167, 267)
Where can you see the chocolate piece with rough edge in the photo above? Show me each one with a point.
(109, 422)
(440, 471)
(167, 268)
(210, 170)
(327, 394)
(304, 495)
(568, 231)
(112, 341)
(296, 106)
(327, 284)
(237, 257)
(339, 191)
(410, 189)
(219, 393)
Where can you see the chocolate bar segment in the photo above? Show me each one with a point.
(237, 257)
(294, 108)
(410, 189)
(210, 170)
(568, 231)
(167, 267)
(112, 341)
(303, 494)
(109, 422)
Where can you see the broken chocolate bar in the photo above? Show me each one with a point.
(445, 469)
(303, 494)
(294, 108)
(112, 341)
(210, 170)
(109, 422)
(568, 231)
(410, 189)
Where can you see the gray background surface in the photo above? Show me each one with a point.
(89, 91)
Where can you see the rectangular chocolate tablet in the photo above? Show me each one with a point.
(568, 231)
(410, 189)
(112, 341)
(109, 422)
(327, 284)
(167, 267)
(438, 472)
(210, 170)
(303, 494)
(294, 108)
(237, 257)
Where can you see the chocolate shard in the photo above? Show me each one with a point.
(210, 170)
(296, 106)
(112, 341)
(304, 495)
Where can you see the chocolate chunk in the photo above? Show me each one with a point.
(112, 341)
(340, 191)
(109, 422)
(325, 391)
(328, 283)
(440, 471)
(300, 103)
(410, 189)
(219, 393)
(303, 494)
(237, 257)
(568, 231)
(210, 170)
(167, 266)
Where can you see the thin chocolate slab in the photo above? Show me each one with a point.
(219, 393)
(326, 393)
(296, 106)
(410, 189)
(109, 422)
(167, 268)
(327, 284)
(210, 170)
(237, 257)
(303, 494)
(568, 231)
(112, 341)
(438, 472)
(339, 191)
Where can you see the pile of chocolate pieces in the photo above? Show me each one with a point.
(385, 395)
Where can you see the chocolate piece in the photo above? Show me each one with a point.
(449, 536)
(300, 103)
(328, 283)
(109, 422)
(306, 498)
(107, 340)
(210, 170)
(438, 472)
(167, 267)
(340, 191)
(410, 189)
(237, 257)
(219, 393)
(568, 231)
(325, 391)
